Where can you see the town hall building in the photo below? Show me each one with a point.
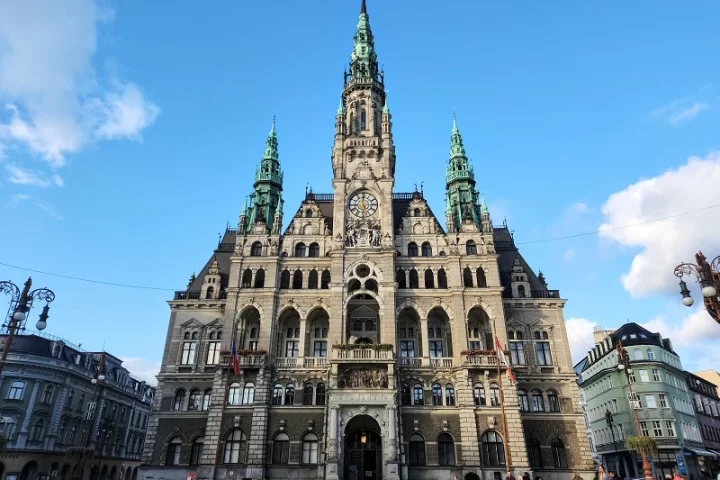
(361, 341)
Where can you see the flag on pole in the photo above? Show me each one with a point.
(235, 364)
(503, 361)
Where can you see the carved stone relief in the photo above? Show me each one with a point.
(362, 233)
(363, 378)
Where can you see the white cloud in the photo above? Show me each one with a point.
(680, 111)
(17, 199)
(57, 179)
(580, 336)
(49, 209)
(579, 207)
(693, 330)
(664, 244)
(569, 255)
(20, 176)
(142, 369)
(57, 102)
(21, 198)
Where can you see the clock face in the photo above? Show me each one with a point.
(363, 205)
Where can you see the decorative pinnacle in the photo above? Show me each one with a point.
(386, 108)
(341, 108)
(272, 128)
(483, 205)
(363, 8)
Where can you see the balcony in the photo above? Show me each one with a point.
(246, 360)
(534, 294)
(291, 363)
(195, 295)
(441, 362)
(363, 355)
(420, 362)
(481, 360)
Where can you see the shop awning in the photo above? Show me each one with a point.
(702, 453)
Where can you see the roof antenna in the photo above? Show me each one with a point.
(422, 184)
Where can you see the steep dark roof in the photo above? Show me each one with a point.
(222, 253)
(633, 334)
(508, 252)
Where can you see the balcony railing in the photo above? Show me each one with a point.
(285, 363)
(489, 360)
(247, 360)
(441, 362)
(195, 295)
(315, 362)
(363, 354)
(507, 293)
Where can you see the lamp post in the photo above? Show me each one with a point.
(624, 365)
(611, 425)
(708, 276)
(20, 304)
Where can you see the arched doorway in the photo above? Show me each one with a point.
(363, 449)
(29, 471)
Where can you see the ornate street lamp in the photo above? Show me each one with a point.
(20, 304)
(708, 276)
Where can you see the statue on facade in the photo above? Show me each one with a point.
(363, 378)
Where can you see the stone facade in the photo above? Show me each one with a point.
(50, 406)
(366, 332)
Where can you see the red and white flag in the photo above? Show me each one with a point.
(503, 361)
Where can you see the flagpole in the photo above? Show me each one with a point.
(506, 442)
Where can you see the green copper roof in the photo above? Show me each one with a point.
(386, 108)
(363, 60)
(456, 142)
(483, 205)
(341, 108)
(271, 144)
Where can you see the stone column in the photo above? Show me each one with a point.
(332, 445)
(23, 435)
(213, 428)
(303, 337)
(424, 341)
(56, 417)
(392, 468)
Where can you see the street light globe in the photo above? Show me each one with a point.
(688, 301)
(41, 325)
(621, 367)
(94, 381)
(101, 377)
(709, 291)
(19, 316)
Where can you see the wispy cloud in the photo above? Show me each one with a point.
(57, 103)
(21, 198)
(680, 111)
(21, 176)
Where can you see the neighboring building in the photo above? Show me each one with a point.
(366, 332)
(711, 376)
(661, 400)
(597, 459)
(707, 410)
(48, 404)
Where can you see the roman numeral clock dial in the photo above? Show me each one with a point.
(363, 205)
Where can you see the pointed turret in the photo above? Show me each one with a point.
(363, 61)
(267, 187)
(460, 183)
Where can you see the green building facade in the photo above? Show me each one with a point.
(659, 397)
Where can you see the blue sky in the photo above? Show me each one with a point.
(131, 130)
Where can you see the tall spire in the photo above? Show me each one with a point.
(457, 149)
(462, 199)
(271, 144)
(363, 61)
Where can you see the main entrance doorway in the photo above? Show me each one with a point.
(363, 449)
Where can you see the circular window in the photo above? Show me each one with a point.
(362, 271)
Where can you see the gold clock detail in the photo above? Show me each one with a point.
(363, 205)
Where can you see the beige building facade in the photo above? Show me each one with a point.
(365, 333)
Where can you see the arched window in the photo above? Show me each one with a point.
(418, 395)
(650, 354)
(449, 395)
(493, 454)
(534, 453)
(281, 449)
(416, 212)
(308, 394)
(314, 250)
(412, 249)
(559, 454)
(414, 281)
(479, 395)
(442, 279)
(196, 452)
(320, 394)
(246, 281)
(494, 395)
(194, 400)
(637, 354)
(400, 278)
(313, 279)
(437, 394)
(446, 450)
(310, 449)
(38, 430)
(210, 293)
(297, 283)
(417, 450)
(179, 400)
(300, 250)
(47, 394)
(308, 213)
(289, 394)
(325, 280)
(405, 395)
(235, 448)
(480, 276)
(234, 394)
(256, 249)
(553, 401)
(260, 278)
(206, 399)
(538, 405)
(467, 277)
(173, 452)
(426, 249)
(523, 401)
(285, 280)
(521, 291)
(470, 248)
(429, 279)
(248, 397)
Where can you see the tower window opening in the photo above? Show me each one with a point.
(363, 120)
